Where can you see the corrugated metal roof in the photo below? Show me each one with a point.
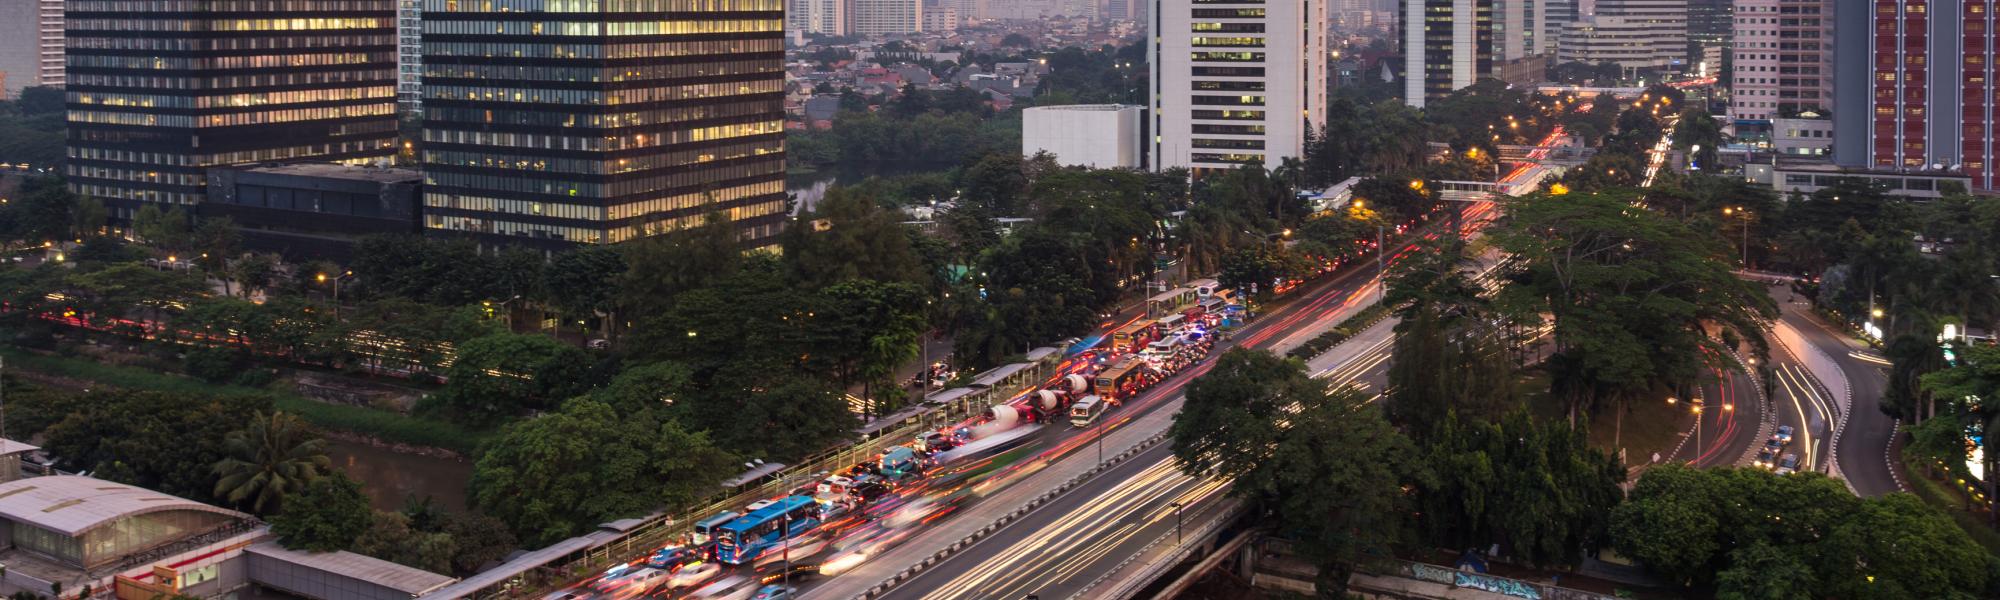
(412, 581)
(73, 504)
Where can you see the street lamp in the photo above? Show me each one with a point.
(1697, 435)
(1177, 522)
(1745, 214)
(1381, 248)
(336, 290)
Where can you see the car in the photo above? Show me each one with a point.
(798, 572)
(670, 557)
(1788, 465)
(636, 582)
(776, 592)
(734, 587)
(1784, 435)
(1765, 459)
(694, 574)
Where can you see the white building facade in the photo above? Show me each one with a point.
(409, 56)
(1782, 52)
(816, 17)
(1099, 136)
(886, 17)
(1236, 83)
(49, 42)
(1636, 34)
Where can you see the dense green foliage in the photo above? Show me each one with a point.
(31, 128)
(1629, 294)
(1747, 533)
(154, 440)
(327, 516)
(274, 457)
(564, 472)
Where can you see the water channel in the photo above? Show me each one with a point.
(392, 478)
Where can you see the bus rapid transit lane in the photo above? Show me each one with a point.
(1151, 412)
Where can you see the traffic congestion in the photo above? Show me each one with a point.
(841, 520)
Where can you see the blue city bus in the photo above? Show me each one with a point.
(749, 536)
(704, 530)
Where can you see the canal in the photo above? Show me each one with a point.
(393, 478)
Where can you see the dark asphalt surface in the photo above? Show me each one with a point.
(1864, 445)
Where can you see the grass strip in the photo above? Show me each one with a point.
(379, 424)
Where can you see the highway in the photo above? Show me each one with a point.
(1079, 544)
(1070, 453)
(1075, 546)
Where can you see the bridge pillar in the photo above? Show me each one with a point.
(1246, 561)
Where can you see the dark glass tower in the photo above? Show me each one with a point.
(555, 122)
(160, 90)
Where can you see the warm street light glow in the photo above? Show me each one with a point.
(1557, 189)
(320, 277)
(1877, 313)
(1671, 400)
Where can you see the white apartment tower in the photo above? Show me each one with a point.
(1783, 55)
(1236, 83)
(49, 22)
(817, 17)
(409, 56)
(885, 17)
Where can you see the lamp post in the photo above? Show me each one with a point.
(1177, 522)
(336, 290)
(1697, 436)
(1381, 270)
(788, 550)
(1745, 214)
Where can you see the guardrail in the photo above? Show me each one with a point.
(1231, 510)
(930, 561)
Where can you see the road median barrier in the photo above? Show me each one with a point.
(888, 585)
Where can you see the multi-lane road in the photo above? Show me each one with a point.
(1114, 513)
(1081, 543)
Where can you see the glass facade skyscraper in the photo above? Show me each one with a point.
(555, 122)
(161, 90)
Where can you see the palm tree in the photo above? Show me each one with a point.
(274, 456)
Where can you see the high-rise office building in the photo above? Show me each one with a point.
(1925, 86)
(1236, 83)
(1782, 56)
(410, 55)
(1518, 29)
(161, 90)
(1639, 35)
(885, 17)
(1447, 45)
(549, 123)
(1556, 16)
(817, 17)
(1708, 21)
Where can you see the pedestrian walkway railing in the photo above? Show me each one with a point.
(534, 573)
